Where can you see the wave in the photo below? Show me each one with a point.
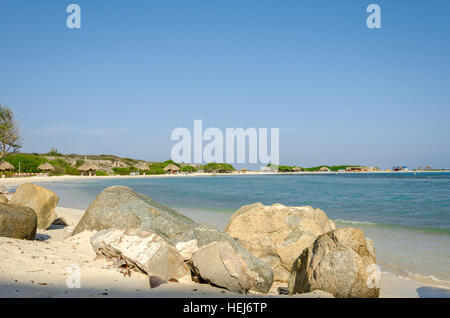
(390, 226)
(422, 278)
(354, 222)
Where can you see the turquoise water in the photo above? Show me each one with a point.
(407, 215)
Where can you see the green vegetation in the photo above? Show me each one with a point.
(124, 171)
(332, 168)
(28, 163)
(218, 167)
(189, 169)
(62, 164)
(156, 168)
(62, 168)
(284, 168)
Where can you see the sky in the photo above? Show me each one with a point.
(339, 92)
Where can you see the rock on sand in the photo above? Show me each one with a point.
(340, 263)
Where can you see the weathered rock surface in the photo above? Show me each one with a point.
(220, 265)
(41, 200)
(3, 198)
(340, 262)
(147, 251)
(278, 234)
(17, 222)
(204, 234)
(121, 207)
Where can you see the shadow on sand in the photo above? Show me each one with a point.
(433, 292)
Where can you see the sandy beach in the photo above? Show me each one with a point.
(41, 268)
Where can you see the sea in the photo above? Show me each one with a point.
(406, 214)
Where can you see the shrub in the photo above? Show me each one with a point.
(189, 169)
(218, 167)
(100, 173)
(156, 168)
(285, 168)
(124, 171)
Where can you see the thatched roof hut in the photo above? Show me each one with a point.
(324, 169)
(5, 165)
(46, 167)
(296, 169)
(142, 167)
(171, 168)
(88, 167)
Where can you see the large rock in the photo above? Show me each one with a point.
(220, 265)
(278, 234)
(203, 235)
(17, 222)
(41, 200)
(147, 251)
(121, 207)
(340, 262)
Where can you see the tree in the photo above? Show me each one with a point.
(10, 139)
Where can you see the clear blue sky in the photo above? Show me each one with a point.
(338, 91)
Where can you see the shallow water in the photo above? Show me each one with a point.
(407, 215)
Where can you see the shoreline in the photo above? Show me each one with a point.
(392, 285)
(14, 181)
(29, 271)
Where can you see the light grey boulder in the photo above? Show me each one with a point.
(218, 264)
(204, 234)
(41, 200)
(277, 234)
(121, 207)
(17, 222)
(146, 251)
(340, 262)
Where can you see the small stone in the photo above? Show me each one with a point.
(155, 281)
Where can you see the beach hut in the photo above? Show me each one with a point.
(296, 169)
(171, 169)
(88, 168)
(46, 167)
(324, 169)
(5, 165)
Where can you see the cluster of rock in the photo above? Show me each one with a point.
(305, 249)
(160, 241)
(297, 246)
(31, 207)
